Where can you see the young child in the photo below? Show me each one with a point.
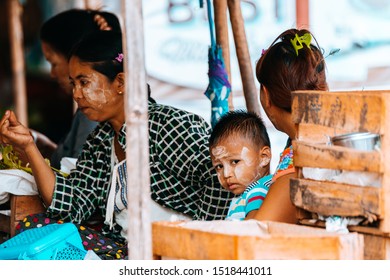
(241, 153)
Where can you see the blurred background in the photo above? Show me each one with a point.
(354, 35)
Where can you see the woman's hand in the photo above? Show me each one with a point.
(102, 23)
(12, 132)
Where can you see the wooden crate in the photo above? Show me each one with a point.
(376, 242)
(20, 207)
(319, 113)
(229, 240)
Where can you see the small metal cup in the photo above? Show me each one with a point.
(363, 141)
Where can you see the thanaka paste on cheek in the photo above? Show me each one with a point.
(242, 171)
(245, 155)
(94, 94)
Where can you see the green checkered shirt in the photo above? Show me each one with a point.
(182, 177)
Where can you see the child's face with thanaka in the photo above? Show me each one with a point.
(96, 96)
(239, 162)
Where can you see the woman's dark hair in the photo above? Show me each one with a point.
(101, 49)
(239, 122)
(282, 69)
(66, 29)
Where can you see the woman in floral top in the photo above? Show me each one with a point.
(292, 62)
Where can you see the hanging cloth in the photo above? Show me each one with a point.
(219, 87)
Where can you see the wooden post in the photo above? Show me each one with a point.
(251, 93)
(385, 147)
(302, 13)
(93, 4)
(137, 139)
(222, 38)
(17, 59)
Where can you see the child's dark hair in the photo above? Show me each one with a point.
(283, 69)
(243, 123)
(67, 28)
(100, 49)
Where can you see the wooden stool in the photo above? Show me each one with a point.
(20, 207)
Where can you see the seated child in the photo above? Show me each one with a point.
(240, 151)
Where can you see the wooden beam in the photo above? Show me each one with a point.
(269, 240)
(376, 242)
(137, 137)
(251, 93)
(335, 157)
(353, 111)
(329, 198)
(385, 151)
(222, 39)
(17, 60)
(302, 14)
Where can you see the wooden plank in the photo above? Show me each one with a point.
(5, 223)
(359, 228)
(222, 36)
(376, 242)
(17, 58)
(302, 13)
(325, 247)
(335, 157)
(279, 241)
(302, 214)
(308, 132)
(329, 198)
(251, 93)
(385, 151)
(183, 243)
(356, 111)
(375, 247)
(23, 205)
(136, 114)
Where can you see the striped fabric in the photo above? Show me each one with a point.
(251, 199)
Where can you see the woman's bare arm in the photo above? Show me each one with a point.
(277, 205)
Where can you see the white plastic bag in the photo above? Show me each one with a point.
(15, 181)
(319, 173)
(67, 164)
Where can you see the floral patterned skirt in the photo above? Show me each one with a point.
(92, 239)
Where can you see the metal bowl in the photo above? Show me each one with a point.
(364, 141)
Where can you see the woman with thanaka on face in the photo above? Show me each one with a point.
(294, 61)
(241, 153)
(182, 176)
(189, 150)
(58, 35)
(85, 191)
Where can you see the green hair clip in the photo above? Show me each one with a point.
(298, 42)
